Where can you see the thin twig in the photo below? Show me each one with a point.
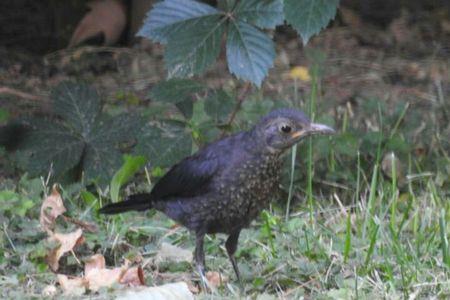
(20, 94)
(86, 226)
(240, 98)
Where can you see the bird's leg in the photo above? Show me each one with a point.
(199, 257)
(231, 246)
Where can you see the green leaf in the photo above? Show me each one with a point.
(250, 52)
(219, 106)
(78, 104)
(131, 165)
(168, 16)
(186, 107)
(193, 48)
(102, 157)
(100, 162)
(50, 144)
(165, 144)
(308, 17)
(262, 13)
(175, 90)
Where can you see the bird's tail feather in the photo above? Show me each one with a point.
(136, 202)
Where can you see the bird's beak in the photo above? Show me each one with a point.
(312, 129)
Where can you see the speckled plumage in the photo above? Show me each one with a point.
(224, 186)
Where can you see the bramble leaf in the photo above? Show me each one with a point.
(219, 106)
(193, 48)
(175, 90)
(78, 104)
(168, 16)
(164, 144)
(50, 144)
(250, 52)
(265, 14)
(308, 17)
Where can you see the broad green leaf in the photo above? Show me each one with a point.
(164, 145)
(166, 17)
(262, 13)
(308, 17)
(113, 130)
(100, 161)
(78, 104)
(219, 106)
(193, 48)
(50, 144)
(186, 107)
(250, 52)
(102, 157)
(4, 115)
(131, 165)
(175, 90)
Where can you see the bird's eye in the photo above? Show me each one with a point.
(286, 128)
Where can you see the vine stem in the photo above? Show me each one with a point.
(240, 98)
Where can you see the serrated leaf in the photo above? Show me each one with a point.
(168, 16)
(308, 17)
(219, 107)
(131, 165)
(175, 90)
(102, 157)
(113, 130)
(164, 145)
(193, 48)
(78, 104)
(262, 13)
(100, 161)
(50, 144)
(250, 52)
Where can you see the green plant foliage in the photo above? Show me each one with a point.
(14, 203)
(264, 14)
(308, 17)
(193, 32)
(219, 106)
(80, 137)
(250, 52)
(164, 143)
(131, 165)
(175, 90)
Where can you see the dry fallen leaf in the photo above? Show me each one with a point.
(133, 277)
(107, 17)
(72, 285)
(67, 241)
(98, 278)
(96, 261)
(51, 208)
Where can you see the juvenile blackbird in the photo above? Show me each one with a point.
(224, 186)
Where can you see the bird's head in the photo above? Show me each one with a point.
(282, 128)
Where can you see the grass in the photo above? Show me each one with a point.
(368, 234)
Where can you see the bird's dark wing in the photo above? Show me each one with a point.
(188, 178)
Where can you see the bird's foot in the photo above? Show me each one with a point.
(203, 280)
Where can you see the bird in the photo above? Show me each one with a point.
(226, 184)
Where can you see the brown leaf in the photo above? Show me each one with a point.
(51, 208)
(72, 285)
(107, 17)
(96, 261)
(133, 277)
(67, 241)
(98, 278)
